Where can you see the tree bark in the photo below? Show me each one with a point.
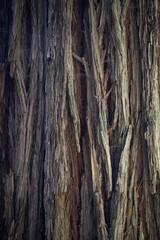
(79, 119)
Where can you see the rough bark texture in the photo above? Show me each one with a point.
(79, 119)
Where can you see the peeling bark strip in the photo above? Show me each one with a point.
(79, 119)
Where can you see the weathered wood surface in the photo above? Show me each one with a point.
(79, 119)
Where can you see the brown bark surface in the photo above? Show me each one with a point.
(79, 119)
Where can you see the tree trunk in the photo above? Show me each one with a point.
(79, 119)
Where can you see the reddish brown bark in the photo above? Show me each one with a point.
(79, 119)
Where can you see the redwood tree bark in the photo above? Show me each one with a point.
(79, 119)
